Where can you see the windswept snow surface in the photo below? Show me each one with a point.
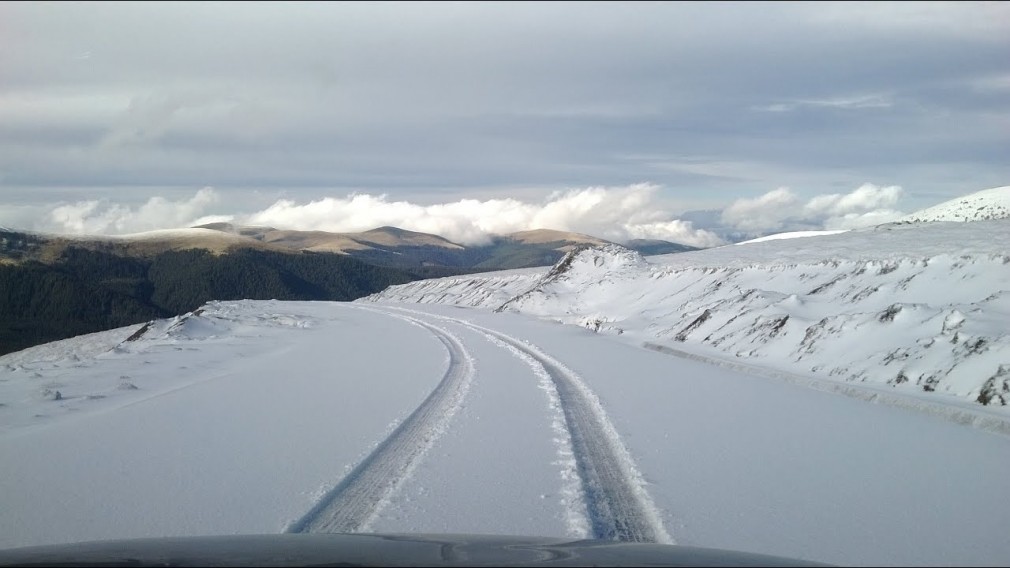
(234, 420)
(351, 505)
(792, 235)
(982, 205)
(917, 310)
(255, 416)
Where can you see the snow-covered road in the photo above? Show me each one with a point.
(355, 500)
(261, 417)
(617, 504)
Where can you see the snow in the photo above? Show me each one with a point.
(982, 205)
(223, 434)
(747, 463)
(490, 430)
(248, 413)
(791, 235)
(918, 310)
(424, 410)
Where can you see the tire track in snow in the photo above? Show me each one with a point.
(618, 506)
(352, 504)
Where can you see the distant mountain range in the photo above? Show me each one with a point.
(57, 286)
(410, 250)
(421, 254)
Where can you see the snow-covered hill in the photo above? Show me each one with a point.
(252, 417)
(979, 206)
(792, 235)
(431, 417)
(921, 308)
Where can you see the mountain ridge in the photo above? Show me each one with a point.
(982, 205)
(63, 285)
(919, 307)
(404, 249)
(388, 246)
(53, 289)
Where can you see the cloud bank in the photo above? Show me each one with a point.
(614, 213)
(781, 209)
(101, 217)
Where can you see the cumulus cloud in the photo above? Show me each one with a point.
(677, 231)
(866, 198)
(616, 213)
(860, 220)
(781, 209)
(765, 212)
(102, 217)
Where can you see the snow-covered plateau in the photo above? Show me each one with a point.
(982, 205)
(919, 309)
(677, 409)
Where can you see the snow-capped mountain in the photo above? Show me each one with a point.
(918, 308)
(979, 206)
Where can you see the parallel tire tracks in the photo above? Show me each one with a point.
(619, 508)
(360, 495)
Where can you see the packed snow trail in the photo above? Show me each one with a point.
(618, 506)
(355, 501)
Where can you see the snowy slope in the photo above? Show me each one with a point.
(981, 205)
(792, 235)
(916, 308)
(484, 290)
(413, 412)
(262, 416)
(236, 419)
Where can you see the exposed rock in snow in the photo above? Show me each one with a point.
(979, 206)
(608, 263)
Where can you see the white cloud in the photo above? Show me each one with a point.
(850, 102)
(768, 211)
(781, 209)
(675, 231)
(860, 220)
(13, 216)
(102, 217)
(866, 206)
(616, 213)
(867, 197)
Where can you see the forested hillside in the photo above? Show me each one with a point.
(84, 291)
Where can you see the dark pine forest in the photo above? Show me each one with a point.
(83, 291)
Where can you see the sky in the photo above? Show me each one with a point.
(694, 122)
